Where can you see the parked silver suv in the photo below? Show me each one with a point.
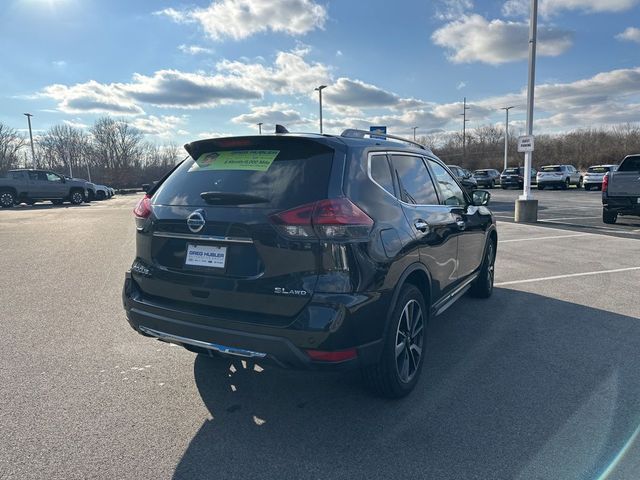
(562, 176)
(595, 174)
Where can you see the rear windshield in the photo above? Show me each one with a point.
(598, 169)
(630, 164)
(551, 169)
(512, 171)
(481, 173)
(286, 172)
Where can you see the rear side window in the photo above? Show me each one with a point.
(512, 171)
(286, 172)
(450, 191)
(630, 164)
(381, 173)
(414, 180)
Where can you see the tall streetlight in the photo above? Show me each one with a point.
(506, 136)
(464, 128)
(260, 127)
(33, 150)
(414, 133)
(526, 206)
(319, 90)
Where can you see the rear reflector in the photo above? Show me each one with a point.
(334, 218)
(336, 356)
(143, 208)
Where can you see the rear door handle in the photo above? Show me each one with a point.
(421, 225)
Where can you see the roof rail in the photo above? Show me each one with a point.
(355, 133)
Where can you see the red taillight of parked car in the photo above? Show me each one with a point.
(143, 208)
(330, 219)
(605, 182)
(335, 356)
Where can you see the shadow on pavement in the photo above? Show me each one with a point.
(544, 389)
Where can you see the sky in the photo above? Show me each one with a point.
(181, 71)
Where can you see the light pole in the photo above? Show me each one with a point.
(33, 151)
(526, 206)
(464, 128)
(414, 133)
(506, 136)
(260, 127)
(319, 90)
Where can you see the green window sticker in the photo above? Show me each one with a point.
(254, 160)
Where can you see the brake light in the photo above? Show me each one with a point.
(143, 208)
(334, 219)
(336, 356)
(605, 182)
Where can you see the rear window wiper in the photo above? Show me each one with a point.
(225, 198)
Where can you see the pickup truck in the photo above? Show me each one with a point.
(621, 190)
(31, 185)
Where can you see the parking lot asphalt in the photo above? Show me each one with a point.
(538, 382)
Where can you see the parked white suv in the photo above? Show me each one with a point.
(562, 176)
(595, 174)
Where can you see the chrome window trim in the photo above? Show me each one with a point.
(202, 238)
(406, 154)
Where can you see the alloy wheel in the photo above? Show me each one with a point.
(409, 341)
(6, 200)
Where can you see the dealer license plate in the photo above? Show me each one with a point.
(206, 256)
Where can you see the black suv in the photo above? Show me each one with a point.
(311, 251)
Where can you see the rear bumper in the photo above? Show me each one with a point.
(621, 205)
(284, 347)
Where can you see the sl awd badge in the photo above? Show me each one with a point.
(290, 292)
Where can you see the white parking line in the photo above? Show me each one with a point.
(570, 275)
(566, 218)
(529, 239)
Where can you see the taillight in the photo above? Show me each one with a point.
(143, 208)
(335, 356)
(605, 182)
(331, 219)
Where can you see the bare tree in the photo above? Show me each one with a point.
(10, 144)
(65, 148)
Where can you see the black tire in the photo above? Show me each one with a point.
(57, 202)
(389, 377)
(587, 188)
(482, 287)
(504, 187)
(492, 185)
(7, 199)
(540, 187)
(100, 195)
(76, 197)
(580, 183)
(609, 217)
(566, 184)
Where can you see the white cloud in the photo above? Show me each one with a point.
(473, 38)
(452, 9)
(194, 49)
(92, 97)
(238, 19)
(551, 7)
(76, 123)
(235, 81)
(630, 34)
(339, 53)
(203, 135)
(166, 126)
(461, 85)
(290, 74)
(173, 88)
(270, 115)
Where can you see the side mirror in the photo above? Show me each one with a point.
(480, 198)
(146, 187)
